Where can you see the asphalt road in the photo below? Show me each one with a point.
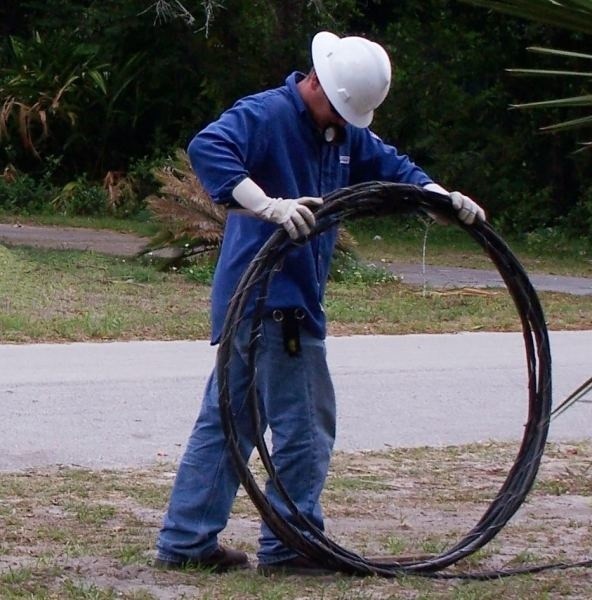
(71, 238)
(441, 277)
(127, 404)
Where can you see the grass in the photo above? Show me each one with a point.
(71, 533)
(70, 295)
(58, 295)
(547, 251)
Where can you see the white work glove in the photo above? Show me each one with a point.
(292, 214)
(468, 210)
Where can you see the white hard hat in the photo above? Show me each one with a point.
(354, 73)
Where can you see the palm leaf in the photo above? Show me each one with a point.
(99, 80)
(188, 219)
(572, 124)
(58, 96)
(585, 146)
(574, 397)
(556, 52)
(575, 15)
(548, 72)
(560, 102)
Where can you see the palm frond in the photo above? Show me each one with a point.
(574, 397)
(556, 52)
(549, 72)
(575, 15)
(585, 147)
(560, 102)
(184, 222)
(571, 124)
(189, 220)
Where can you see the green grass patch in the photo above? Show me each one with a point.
(545, 251)
(395, 308)
(56, 295)
(59, 295)
(76, 296)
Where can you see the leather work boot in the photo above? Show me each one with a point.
(299, 565)
(221, 560)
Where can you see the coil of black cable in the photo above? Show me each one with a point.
(382, 198)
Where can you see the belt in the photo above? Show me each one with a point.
(290, 319)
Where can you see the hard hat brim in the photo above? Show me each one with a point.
(323, 45)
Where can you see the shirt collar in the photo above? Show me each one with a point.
(292, 82)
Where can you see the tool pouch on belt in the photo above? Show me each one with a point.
(291, 319)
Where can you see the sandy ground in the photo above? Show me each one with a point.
(71, 529)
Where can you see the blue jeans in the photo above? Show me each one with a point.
(297, 402)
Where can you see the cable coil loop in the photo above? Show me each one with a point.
(382, 198)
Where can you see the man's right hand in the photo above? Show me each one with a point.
(292, 214)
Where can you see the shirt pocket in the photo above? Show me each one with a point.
(343, 170)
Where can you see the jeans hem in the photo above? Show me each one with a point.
(275, 558)
(180, 558)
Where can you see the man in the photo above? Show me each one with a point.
(275, 154)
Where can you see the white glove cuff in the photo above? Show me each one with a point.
(434, 187)
(250, 196)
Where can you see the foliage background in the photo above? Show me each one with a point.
(112, 88)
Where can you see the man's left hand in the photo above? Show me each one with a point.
(468, 210)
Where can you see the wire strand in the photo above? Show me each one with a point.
(382, 198)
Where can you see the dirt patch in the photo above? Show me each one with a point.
(74, 533)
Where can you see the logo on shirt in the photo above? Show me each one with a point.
(344, 160)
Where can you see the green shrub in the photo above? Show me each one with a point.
(346, 268)
(24, 194)
(558, 241)
(579, 219)
(141, 173)
(49, 83)
(200, 271)
(81, 198)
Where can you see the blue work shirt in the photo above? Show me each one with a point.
(271, 138)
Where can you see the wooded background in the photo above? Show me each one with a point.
(91, 89)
